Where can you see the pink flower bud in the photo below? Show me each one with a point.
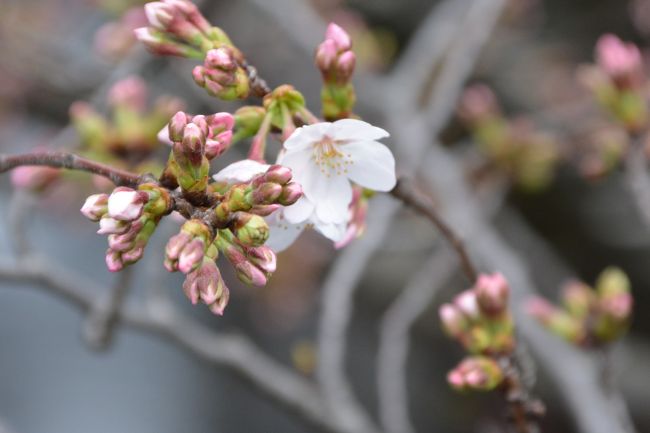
(467, 303)
(95, 207)
(278, 174)
(619, 307)
(126, 204)
(130, 92)
(133, 255)
(291, 193)
(265, 210)
(540, 309)
(111, 226)
(191, 256)
(476, 373)
(345, 65)
(198, 73)
(176, 244)
(114, 261)
(452, 319)
(263, 257)
(159, 14)
(326, 55)
(193, 142)
(339, 36)
(251, 274)
(221, 121)
(177, 126)
(220, 58)
(617, 58)
(34, 178)
(492, 292)
(266, 193)
(206, 284)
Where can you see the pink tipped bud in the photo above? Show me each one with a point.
(453, 320)
(340, 37)
(265, 210)
(291, 193)
(216, 148)
(159, 14)
(267, 193)
(130, 92)
(34, 178)
(126, 204)
(617, 58)
(618, 307)
(492, 292)
(220, 58)
(198, 73)
(250, 274)
(114, 261)
(221, 121)
(540, 309)
(191, 256)
(477, 103)
(111, 226)
(345, 65)
(205, 283)
(477, 373)
(177, 126)
(467, 303)
(263, 257)
(326, 55)
(133, 255)
(193, 140)
(95, 207)
(278, 174)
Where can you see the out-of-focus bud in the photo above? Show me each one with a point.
(453, 320)
(467, 303)
(158, 43)
(612, 281)
(34, 178)
(95, 207)
(339, 36)
(206, 284)
(477, 373)
(477, 103)
(251, 230)
(556, 320)
(578, 298)
(130, 92)
(492, 293)
(621, 61)
(126, 204)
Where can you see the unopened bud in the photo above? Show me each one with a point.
(453, 320)
(477, 373)
(467, 303)
(263, 257)
(177, 126)
(111, 226)
(250, 230)
(126, 204)
(578, 298)
(266, 193)
(291, 193)
(340, 37)
(492, 292)
(95, 207)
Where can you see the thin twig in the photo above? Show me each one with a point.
(102, 317)
(394, 339)
(638, 179)
(406, 192)
(72, 162)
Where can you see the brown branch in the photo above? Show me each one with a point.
(406, 192)
(69, 161)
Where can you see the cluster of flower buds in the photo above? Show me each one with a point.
(253, 262)
(177, 27)
(515, 147)
(479, 318)
(336, 60)
(476, 373)
(261, 196)
(206, 284)
(618, 81)
(129, 217)
(605, 149)
(590, 318)
(128, 137)
(195, 141)
(192, 252)
(221, 76)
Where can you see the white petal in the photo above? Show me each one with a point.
(305, 136)
(282, 234)
(353, 129)
(332, 198)
(163, 136)
(334, 232)
(299, 212)
(373, 165)
(241, 171)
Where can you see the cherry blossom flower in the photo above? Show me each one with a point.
(326, 157)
